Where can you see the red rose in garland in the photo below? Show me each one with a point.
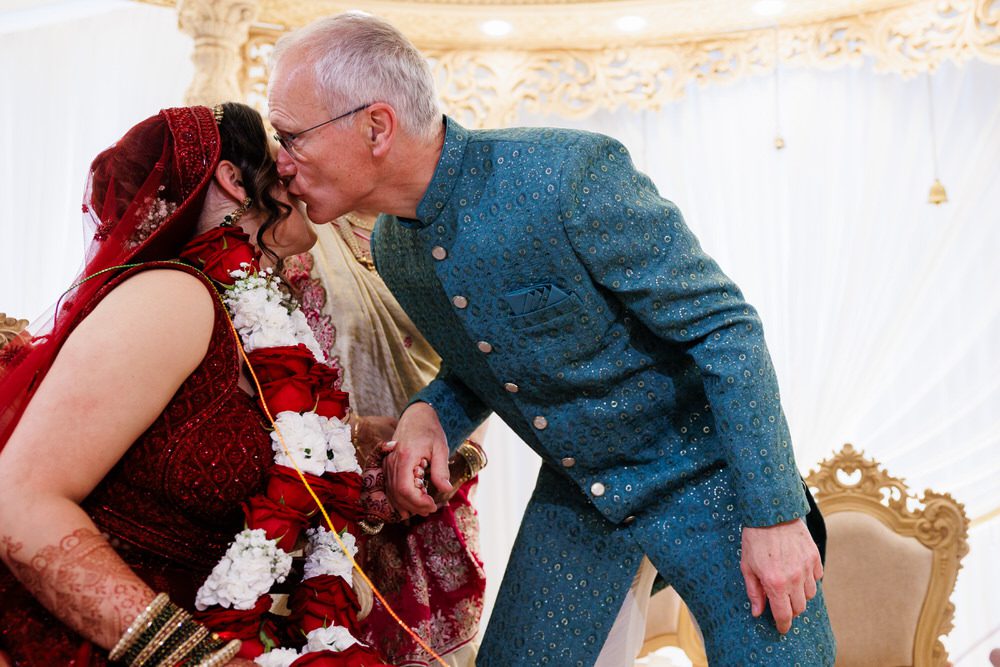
(279, 522)
(275, 363)
(220, 251)
(322, 601)
(296, 393)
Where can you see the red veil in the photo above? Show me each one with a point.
(142, 202)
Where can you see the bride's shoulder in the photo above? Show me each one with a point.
(166, 308)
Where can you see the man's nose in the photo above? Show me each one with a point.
(286, 165)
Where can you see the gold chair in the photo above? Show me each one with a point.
(891, 563)
(10, 328)
(670, 623)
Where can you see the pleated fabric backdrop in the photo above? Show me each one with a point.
(881, 311)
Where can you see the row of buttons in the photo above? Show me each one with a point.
(462, 302)
(540, 422)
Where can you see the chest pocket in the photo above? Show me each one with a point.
(556, 336)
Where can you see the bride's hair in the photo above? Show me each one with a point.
(244, 143)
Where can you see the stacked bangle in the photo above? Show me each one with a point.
(164, 635)
(475, 460)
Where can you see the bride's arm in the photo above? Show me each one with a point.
(113, 377)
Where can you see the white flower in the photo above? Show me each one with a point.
(324, 555)
(250, 567)
(332, 638)
(277, 657)
(341, 455)
(303, 334)
(305, 438)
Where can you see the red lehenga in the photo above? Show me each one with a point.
(169, 507)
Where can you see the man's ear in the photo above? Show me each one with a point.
(229, 178)
(380, 128)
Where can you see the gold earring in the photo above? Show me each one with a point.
(235, 216)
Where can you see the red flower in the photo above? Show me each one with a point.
(296, 393)
(245, 625)
(219, 251)
(331, 401)
(275, 363)
(322, 601)
(279, 522)
(285, 487)
(340, 493)
(355, 656)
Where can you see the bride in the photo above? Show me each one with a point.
(130, 436)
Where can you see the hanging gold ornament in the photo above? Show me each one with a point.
(779, 143)
(938, 195)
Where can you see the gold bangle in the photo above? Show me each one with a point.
(223, 655)
(185, 647)
(142, 621)
(475, 457)
(371, 528)
(162, 636)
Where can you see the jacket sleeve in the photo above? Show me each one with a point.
(457, 407)
(636, 245)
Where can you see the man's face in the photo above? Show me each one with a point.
(327, 167)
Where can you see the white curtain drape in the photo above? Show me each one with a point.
(880, 310)
(76, 75)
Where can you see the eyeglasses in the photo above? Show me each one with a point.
(287, 139)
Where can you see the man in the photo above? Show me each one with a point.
(564, 294)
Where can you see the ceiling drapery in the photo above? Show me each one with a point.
(567, 61)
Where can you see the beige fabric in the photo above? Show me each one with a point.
(384, 357)
(875, 583)
(664, 611)
(625, 638)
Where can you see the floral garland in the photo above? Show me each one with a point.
(303, 393)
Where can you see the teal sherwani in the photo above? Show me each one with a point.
(563, 293)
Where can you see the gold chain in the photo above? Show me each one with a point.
(345, 227)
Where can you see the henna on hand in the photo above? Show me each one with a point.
(83, 582)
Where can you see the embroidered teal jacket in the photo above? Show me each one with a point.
(565, 294)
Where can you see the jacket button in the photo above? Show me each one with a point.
(438, 253)
(629, 519)
(568, 462)
(484, 347)
(597, 489)
(511, 387)
(459, 301)
(540, 422)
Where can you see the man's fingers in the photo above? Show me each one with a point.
(810, 588)
(781, 610)
(440, 474)
(755, 592)
(798, 600)
(817, 568)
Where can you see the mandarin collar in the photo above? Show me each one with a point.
(446, 175)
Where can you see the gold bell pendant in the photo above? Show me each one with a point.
(937, 195)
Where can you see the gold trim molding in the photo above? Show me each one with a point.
(851, 482)
(10, 328)
(492, 86)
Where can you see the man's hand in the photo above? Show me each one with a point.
(419, 440)
(781, 566)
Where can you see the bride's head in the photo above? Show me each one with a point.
(246, 186)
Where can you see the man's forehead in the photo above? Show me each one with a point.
(292, 90)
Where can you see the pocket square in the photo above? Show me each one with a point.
(534, 298)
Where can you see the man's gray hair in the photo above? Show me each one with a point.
(357, 59)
